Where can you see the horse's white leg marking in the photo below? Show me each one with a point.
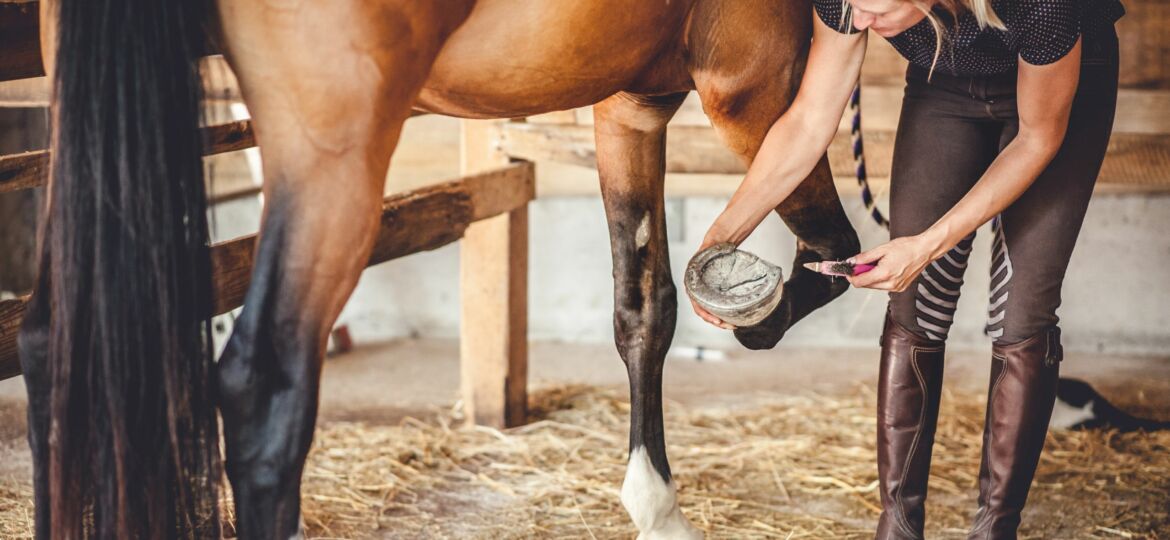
(1065, 416)
(652, 502)
(642, 236)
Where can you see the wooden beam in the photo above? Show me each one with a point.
(11, 313)
(229, 137)
(1133, 159)
(20, 41)
(493, 279)
(33, 92)
(689, 149)
(31, 169)
(24, 171)
(415, 221)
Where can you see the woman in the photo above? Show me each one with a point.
(1006, 117)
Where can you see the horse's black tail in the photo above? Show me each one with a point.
(133, 447)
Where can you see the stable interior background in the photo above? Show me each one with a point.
(799, 415)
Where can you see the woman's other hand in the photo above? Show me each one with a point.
(898, 263)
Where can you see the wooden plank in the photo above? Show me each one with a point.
(689, 149)
(492, 195)
(1138, 111)
(228, 137)
(415, 221)
(24, 171)
(1144, 36)
(1133, 158)
(33, 92)
(493, 279)
(20, 41)
(1142, 111)
(11, 313)
(31, 169)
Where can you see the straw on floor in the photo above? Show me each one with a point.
(792, 467)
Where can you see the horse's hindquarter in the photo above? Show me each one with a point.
(520, 57)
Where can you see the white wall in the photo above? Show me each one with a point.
(1106, 307)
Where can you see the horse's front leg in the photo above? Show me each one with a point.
(631, 136)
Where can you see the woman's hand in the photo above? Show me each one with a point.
(898, 261)
(715, 235)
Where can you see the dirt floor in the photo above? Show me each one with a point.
(774, 444)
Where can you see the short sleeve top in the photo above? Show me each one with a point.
(1039, 31)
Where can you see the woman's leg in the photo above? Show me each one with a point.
(1034, 241)
(944, 143)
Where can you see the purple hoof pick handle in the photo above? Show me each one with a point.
(839, 268)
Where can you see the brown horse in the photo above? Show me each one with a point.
(329, 85)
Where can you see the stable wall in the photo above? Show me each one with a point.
(1111, 302)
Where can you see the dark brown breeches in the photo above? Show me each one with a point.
(950, 131)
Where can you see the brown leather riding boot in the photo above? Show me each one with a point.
(909, 386)
(1019, 404)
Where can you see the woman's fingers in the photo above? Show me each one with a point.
(870, 279)
(707, 316)
(868, 257)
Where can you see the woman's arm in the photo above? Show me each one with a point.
(795, 142)
(799, 138)
(1044, 97)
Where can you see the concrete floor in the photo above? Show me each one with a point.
(384, 382)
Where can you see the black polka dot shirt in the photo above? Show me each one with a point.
(1039, 31)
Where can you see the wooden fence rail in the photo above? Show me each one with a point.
(414, 221)
(31, 169)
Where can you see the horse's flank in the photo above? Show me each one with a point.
(518, 57)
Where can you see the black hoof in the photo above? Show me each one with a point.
(804, 292)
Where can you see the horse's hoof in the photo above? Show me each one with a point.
(737, 286)
(765, 334)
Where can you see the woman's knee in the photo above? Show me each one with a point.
(903, 312)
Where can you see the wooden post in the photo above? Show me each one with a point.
(494, 288)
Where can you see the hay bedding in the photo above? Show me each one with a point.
(799, 467)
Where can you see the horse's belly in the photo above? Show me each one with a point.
(521, 57)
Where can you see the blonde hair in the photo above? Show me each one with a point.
(985, 17)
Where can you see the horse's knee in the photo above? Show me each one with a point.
(644, 320)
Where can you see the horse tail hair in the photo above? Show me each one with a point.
(858, 147)
(133, 436)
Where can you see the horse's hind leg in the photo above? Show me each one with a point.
(33, 345)
(631, 136)
(744, 94)
(33, 339)
(329, 86)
